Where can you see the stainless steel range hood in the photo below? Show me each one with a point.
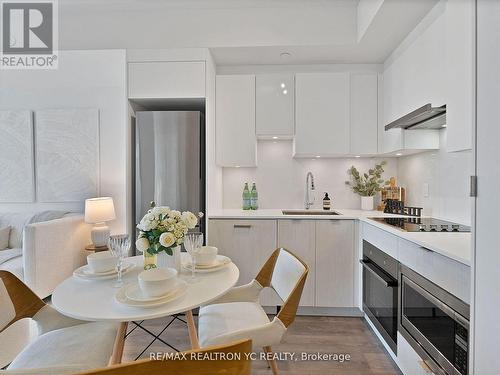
(425, 117)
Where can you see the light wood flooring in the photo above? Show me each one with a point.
(309, 334)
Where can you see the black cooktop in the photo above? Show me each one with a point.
(423, 224)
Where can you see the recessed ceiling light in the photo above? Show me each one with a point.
(318, 156)
(399, 154)
(285, 92)
(285, 55)
(237, 166)
(444, 126)
(283, 85)
(275, 137)
(357, 156)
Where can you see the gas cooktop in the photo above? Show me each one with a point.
(426, 224)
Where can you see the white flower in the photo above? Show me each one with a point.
(142, 244)
(174, 214)
(189, 219)
(167, 239)
(160, 210)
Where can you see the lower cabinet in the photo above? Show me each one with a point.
(298, 236)
(327, 246)
(335, 259)
(409, 361)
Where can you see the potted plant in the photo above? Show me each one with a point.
(367, 184)
(162, 231)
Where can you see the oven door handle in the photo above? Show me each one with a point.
(379, 274)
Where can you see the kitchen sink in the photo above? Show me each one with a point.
(309, 212)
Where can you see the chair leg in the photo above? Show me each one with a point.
(193, 335)
(116, 357)
(272, 362)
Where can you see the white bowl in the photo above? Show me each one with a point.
(157, 281)
(102, 261)
(206, 256)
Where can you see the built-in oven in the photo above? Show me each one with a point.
(435, 323)
(380, 292)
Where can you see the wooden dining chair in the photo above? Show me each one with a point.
(232, 359)
(239, 315)
(60, 339)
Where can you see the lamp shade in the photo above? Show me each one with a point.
(99, 210)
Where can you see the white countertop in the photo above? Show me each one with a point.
(456, 246)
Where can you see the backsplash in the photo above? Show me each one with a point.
(281, 179)
(447, 174)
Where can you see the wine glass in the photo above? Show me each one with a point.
(119, 246)
(193, 242)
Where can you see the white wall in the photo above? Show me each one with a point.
(447, 175)
(281, 179)
(85, 79)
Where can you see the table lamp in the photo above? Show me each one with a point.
(98, 211)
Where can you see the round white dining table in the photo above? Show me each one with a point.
(94, 300)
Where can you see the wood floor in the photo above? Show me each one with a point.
(307, 334)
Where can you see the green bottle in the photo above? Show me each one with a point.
(246, 197)
(254, 197)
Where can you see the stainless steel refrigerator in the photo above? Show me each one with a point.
(169, 161)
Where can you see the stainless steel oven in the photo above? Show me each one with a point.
(380, 292)
(435, 323)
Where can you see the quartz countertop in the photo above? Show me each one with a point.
(456, 246)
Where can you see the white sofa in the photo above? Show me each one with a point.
(44, 248)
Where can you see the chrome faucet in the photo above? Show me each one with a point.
(309, 202)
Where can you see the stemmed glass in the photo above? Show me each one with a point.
(193, 242)
(119, 246)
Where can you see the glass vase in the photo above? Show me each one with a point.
(150, 261)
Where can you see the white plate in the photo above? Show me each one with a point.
(84, 272)
(134, 293)
(219, 263)
(178, 291)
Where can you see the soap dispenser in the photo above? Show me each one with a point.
(326, 202)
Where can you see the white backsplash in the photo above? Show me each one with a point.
(447, 175)
(281, 179)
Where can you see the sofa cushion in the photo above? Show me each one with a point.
(17, 222)
(6, 255)
(89, 344)
(14, 265)
(4, 237)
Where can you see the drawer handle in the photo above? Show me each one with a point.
(241, 226)
(426, 249)
(425, 367)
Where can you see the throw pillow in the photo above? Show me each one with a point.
(4, 238)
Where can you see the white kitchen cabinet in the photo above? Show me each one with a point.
(409, 361)
(335, 263)
(236, 140)
(364, 114)
(166, 79)
(322, 112)
(274, 97)
(298, 236)
(460, 46)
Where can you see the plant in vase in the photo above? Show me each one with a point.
(162, 231)
(367, 184)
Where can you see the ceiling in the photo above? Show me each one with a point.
(245, 32)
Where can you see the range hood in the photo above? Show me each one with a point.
(425, 117)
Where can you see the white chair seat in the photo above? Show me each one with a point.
(226, 322)
(89, 345)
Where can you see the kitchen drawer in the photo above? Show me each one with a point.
(450, 275)
(386, 242)
(408, 360)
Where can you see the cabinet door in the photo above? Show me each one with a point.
(274, 105)
(460, 29)
(321, 114)
(335, 263)
(236, 141)
(246, 242)
(364, 114)
(298, 237)
(150, 80)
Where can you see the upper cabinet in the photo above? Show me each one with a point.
(236, 141)
(274, 96)
(166, 79)
(460, 29)
(322, 113)
(364, 114)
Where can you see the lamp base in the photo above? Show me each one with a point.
(100, 235)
